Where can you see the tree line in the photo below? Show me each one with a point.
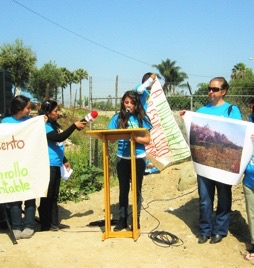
(50, 80)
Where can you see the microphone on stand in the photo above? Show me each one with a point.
(128, 113)
(90, 117)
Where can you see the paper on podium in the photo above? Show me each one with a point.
(65, 174)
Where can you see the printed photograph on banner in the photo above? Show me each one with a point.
(215, 144)
(220, 147)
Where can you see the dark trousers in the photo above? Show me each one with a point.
(48, 210)
(219, 223)
(16, 214)
(124, 177)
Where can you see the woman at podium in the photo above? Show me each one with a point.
(131, 115)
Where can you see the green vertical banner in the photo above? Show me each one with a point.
(167, 142)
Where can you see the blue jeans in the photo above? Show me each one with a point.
(124, 177)
(210, 224)
(16, 214)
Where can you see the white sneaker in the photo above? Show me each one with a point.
(27, 233)
(17, 234)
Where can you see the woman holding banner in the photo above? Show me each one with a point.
(20, 109)
(210, 226)
(48, 209)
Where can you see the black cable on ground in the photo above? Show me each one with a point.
(165, 239)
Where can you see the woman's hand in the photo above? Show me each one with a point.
(182, 113)
(153, 76)
(80, 125)
(142, 138)
(67, 166)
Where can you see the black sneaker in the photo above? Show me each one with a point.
(54, 228)
(121, 224)
(63, 226)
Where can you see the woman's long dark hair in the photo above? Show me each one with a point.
(18, 104)
(139, 111)
(46, 107)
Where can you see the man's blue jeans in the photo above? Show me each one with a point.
(210, 224)
(16, 214)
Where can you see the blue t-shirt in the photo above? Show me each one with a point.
(124, 145)
(225, 110)
(248, 179)
(250, 118)
(11, 119)
(55, 149)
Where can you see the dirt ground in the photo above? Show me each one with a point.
(164, 209)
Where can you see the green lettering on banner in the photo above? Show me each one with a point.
(11, 180)
(167, 142)
(16, 172)
(13, 186)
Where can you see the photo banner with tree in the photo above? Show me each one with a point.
(167, 142)
(24, 161)
(220, 147)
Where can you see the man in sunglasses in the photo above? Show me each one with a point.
(215, 227)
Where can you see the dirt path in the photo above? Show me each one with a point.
(165, 209)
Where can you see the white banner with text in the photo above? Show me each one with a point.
(167, 142)
(24, 161)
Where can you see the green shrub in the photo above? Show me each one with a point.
(87, 177)
(84, 180)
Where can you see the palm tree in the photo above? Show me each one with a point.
(239, 71)
(70, 79)
(81, 74)
(172, 75)
(64, 82)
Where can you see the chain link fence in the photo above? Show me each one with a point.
(194, 102)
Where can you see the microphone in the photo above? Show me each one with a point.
(128, 110)
(90, 117)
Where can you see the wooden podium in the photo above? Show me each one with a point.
(113, 135)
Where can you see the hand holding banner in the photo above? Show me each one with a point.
(24, 162)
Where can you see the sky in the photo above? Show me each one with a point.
(124, 38)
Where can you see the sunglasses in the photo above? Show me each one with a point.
(214, 89)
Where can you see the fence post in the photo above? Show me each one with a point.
(90, 109)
